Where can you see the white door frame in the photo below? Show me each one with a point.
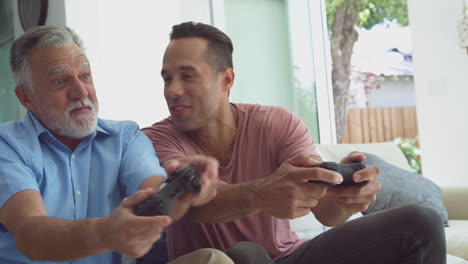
(324, 90)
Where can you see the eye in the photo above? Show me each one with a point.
(86, 77)
(167, 79)
(187, 76)
(58, 81)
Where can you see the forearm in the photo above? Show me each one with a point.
(44, 238)
(329, 213)
(232, 202)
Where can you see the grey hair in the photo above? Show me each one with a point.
(37, 37)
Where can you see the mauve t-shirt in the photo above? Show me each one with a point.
(266, 136)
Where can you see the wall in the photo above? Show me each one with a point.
(393, 93)
(441, 82)
(384, 92)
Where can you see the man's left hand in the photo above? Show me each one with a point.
(354, 199)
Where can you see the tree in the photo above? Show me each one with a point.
(343, 18)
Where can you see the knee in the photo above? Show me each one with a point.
(247, 252)
(422, 218)
(212, 256)
(246, 247)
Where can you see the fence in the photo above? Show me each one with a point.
(367, 125)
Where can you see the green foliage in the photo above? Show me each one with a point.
(411, 151)
(372, 12)
(331, 6)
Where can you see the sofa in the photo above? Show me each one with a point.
(452, 198)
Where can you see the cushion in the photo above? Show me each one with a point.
(389, 151)
(455, 260)
(457, 238)
(401, 187)
(307, 226)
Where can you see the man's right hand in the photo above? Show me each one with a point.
(287, 193)
(207, 168)
(132, 235)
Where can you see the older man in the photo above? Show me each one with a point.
(64, 172)
(266, 158)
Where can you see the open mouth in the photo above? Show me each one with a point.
(179, 109)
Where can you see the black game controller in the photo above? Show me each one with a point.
(346, 170)
(182, 181)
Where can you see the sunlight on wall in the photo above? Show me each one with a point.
(441, 90)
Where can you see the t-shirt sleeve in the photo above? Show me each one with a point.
(291, 134)
(139, 160)
(15, 175)
(166, 141)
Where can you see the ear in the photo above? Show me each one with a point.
(227, 79)
(23, 96)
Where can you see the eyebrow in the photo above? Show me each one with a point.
(61, 69)
(55, 70)
(181, 68)
(85, 63)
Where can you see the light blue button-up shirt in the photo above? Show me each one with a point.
(88, 182)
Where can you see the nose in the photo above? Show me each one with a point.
(174, 88)
(78, 89)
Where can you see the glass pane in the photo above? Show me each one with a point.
(9, 109)
(272, 58)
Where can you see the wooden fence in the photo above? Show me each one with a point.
(380, 124)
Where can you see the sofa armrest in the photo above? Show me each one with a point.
(455, 199)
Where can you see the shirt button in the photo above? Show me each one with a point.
(78, 193)
(73, 156)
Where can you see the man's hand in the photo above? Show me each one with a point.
(127, 233)
(287, 192)
(207, 168)
(354, 199)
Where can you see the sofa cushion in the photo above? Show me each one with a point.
(307, 226)
(455, 260)
(457, 238)
(389, 151)
(401, 187)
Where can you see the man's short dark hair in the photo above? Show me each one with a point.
(219, 49)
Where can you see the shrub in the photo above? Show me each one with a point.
(409, 147)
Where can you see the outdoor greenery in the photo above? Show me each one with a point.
(343, 17)
(409, 147)
(371, 12)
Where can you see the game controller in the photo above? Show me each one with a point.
(346, 170)
(181, 181)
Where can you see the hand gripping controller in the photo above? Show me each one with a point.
(182, 181)
(346, 170)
